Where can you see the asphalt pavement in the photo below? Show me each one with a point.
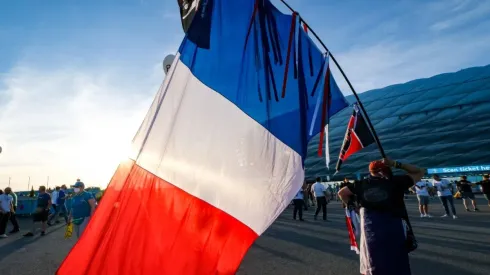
(446, 246)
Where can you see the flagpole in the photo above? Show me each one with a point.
(361, 106)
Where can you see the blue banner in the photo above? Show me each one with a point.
(461, 169)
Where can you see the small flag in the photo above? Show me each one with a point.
(353, 227)
(357, 137)
(188, 9)
(196, 20)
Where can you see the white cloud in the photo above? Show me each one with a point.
(68, 123)
(391, 62)
(461, 14)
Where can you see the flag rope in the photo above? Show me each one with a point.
(361, 106)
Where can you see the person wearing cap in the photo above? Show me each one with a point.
(82, 208)
(385, 234)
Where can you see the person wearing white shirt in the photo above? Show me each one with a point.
(5, 210)
(298, 201)
(443, 188)
(422, 190)
(320, 193)
(54, 199)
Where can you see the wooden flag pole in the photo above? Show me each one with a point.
(361, 106)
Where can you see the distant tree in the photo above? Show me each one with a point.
(31, 194)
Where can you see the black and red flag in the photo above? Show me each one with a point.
(196, 20)
(356, 138)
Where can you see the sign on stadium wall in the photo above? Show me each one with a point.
(461, 169)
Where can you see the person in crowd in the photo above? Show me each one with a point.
(298, 201)
(352, 200)
(82, 208)
(54, 205)
(445, 194)
(464, 187)
(485, 187)
(383, 243)
(13, 217)
(422, 190)
(62, 196)
(320, 193)
(58, 208)
(6, 208)
(41, 213)
(311, 195)
(305, 196)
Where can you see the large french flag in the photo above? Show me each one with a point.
(220, 153)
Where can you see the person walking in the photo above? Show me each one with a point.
(13, 217)
(41, 213)
(485, 187)
(82, 208)
(443, 188)
(385, 233)
(320, 193)
(58, 205)
(54, 205)
(5, 210)
(422, 190)
(298, 202)
(464, 187)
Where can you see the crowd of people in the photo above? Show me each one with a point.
(385, 234)
(49, 208)
(317, 195)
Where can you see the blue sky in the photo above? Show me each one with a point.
(77, 77)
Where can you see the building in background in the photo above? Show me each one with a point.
(438, 122)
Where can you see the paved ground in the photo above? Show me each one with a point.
(446, 246)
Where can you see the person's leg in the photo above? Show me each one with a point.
(487, 197)
(324, 209)
(54, 217)
(296, 205)
(451, 203)
(318, 207)
(13, 220)
(65, 213)
(464, 201)
(305, 204)
(444, 204)
(421, 206)
(300, 209)
(44, 222)
(76, 228)
(473, 201)
(82, 227)
(3, 223)
(426, 205)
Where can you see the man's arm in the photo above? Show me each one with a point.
(345, 194)
(49, 204)
(413, 171)
(92, 203)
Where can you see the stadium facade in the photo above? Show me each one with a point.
(442, 122)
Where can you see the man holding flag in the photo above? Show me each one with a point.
(386, 239)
